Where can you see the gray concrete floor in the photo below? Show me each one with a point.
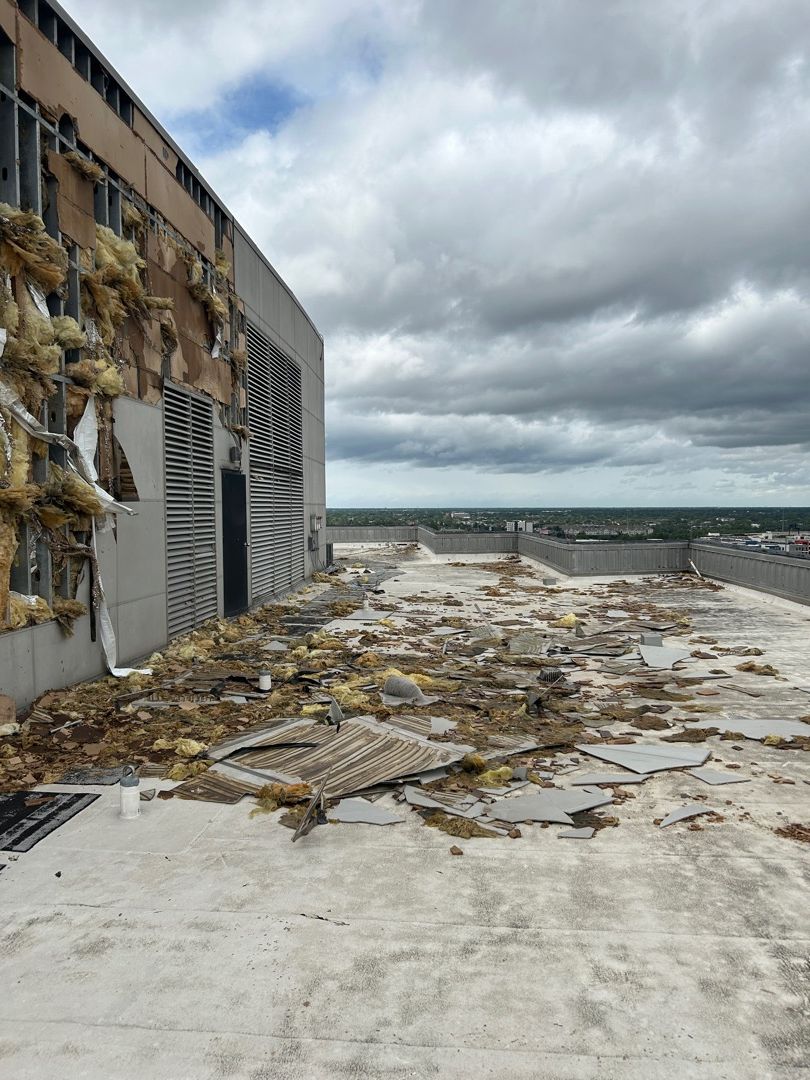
(198, 943)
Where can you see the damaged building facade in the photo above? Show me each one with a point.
(161, 389)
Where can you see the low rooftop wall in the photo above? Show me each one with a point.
(779, 575)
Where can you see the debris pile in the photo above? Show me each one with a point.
(482, 724)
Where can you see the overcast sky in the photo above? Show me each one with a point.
(558, 249)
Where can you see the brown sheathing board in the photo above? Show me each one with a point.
(154, 141)
(177, 206)
(74, 201)
(141, 157)
(8, 18)
(192, 362)
(227, 251)
(47, 75)
(132, 152)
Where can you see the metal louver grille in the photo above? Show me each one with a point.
(276, 467)
(191, 557)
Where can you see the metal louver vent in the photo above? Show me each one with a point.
(276, 467)
(191, 557)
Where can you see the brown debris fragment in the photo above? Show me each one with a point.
(794, 831)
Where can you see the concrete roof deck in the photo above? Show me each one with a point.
(198, 943)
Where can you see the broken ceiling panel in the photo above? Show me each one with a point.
(684, 812)
(548, 805)
(350, 811)
(662, 656)
(715, 777)
(646, 758)
(595, 778)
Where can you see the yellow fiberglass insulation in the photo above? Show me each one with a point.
(88, 169)
(67, 332)
(26, 249)
(19, 472)
(27, 610)
(17, 500)
(99, 375)
(114, 289)
(69, 491)
(221, 264)
(9, 312)
(132, 217)
(8, 548)
(215, 307)
(32, 348)
(67, 611)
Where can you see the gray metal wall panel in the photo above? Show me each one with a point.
(276, 481)
(776, 574)
(191, 537)
(266, 297)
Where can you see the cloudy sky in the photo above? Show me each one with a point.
(558, 249)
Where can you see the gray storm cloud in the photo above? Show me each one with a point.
(550, 237)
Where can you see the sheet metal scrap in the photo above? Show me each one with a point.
(365, 753)
(466, 806)
(399, 690)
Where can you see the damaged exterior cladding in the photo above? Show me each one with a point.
(151, 356)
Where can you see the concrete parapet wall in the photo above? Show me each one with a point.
(452, 543)
(371, 534)
(775, 574)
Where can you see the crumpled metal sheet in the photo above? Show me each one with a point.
(399, 690)
(363, 753)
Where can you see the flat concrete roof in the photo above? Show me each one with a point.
(198, 943)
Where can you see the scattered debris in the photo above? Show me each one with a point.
(646, 758)
(359, 810)
(795, 831)
(685, 812)
(26, 817)
(524, 701)
(454, 850)
(715, 777)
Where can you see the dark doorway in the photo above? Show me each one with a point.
(234, 543)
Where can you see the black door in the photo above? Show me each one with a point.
(234, 542)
